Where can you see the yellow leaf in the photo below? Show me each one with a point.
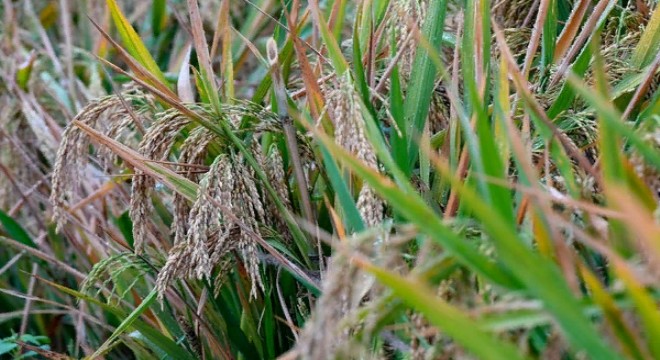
(132, 41)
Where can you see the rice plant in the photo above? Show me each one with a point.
(402, 179)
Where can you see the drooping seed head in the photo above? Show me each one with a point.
(155, 145)
(108, 115)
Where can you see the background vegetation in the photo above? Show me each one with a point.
(331, 179)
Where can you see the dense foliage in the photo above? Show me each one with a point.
(403, 179)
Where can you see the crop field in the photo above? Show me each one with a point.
(330, 179)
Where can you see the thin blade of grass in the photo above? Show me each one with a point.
(166, 344)
(227, 58)
(610, 115)
(649, 43)
(140, 70)
(570, 29)
(626, 336)
(202, 50)
(593, 24)
(334, 51)
(645, 305)
(449, 319)
(412, 206)
(422, 80)
(133, 42)
(537, 112)
(15, 230)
